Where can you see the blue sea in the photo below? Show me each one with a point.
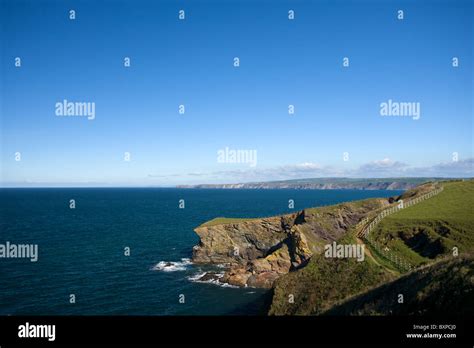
(81, 250)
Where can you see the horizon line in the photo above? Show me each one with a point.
(217, 184)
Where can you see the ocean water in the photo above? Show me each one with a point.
(81, 250)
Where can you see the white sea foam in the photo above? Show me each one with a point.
(172, 266)
(197, 278)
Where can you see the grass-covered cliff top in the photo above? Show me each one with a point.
(425, 233)
(224, 221)
(369, 203)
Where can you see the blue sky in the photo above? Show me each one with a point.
(190, 62)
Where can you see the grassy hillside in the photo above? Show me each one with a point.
(445, 287)
(431, 229)
(424, 233)
(324, 282)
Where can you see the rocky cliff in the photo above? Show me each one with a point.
(258, 251)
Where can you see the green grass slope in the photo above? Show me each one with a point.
(446, 287)
(324, 282)
(432, 228)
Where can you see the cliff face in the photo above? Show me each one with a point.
(259, 251)
(237, 242)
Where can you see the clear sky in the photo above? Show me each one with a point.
(190, 62)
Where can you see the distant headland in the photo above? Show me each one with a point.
(327, 184)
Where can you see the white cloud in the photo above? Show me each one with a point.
(381, 167)
(385, 167)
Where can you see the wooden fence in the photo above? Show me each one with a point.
(367, 225)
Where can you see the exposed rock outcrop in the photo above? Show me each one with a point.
(259, 251)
